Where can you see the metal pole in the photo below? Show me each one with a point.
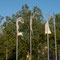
(16, 44)
(17, 47)
(48, 44)
(55, 38)
(30, 46)
(18, 20)
(30, 43)
(48, 36)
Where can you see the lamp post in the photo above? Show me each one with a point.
(47, 31)
(31, 17)
(20, 19)
(55, 37)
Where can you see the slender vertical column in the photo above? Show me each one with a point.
(30, 38)
(17, 47)
(30, 46)
(48, 44)
(55, 38)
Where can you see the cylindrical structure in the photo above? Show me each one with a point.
(48, 45)
(17, 47)
(55, 39)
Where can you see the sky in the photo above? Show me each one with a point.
(9, 7)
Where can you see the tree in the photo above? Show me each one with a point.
(39, 40)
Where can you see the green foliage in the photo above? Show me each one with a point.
(39, 40)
